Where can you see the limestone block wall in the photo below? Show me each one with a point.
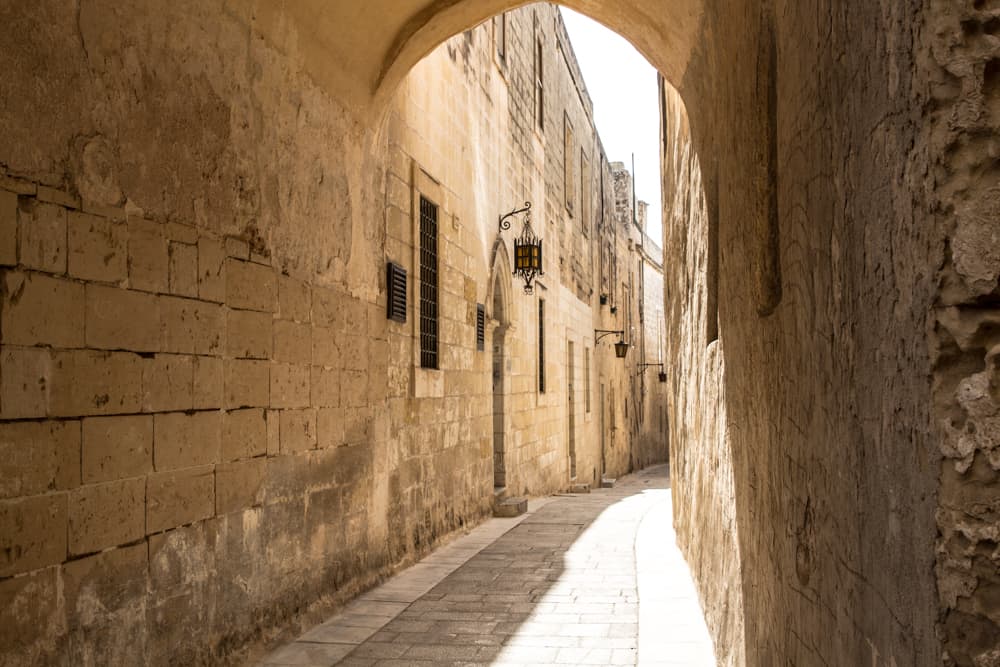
(178, 416)
(194, 359)
(479, 159)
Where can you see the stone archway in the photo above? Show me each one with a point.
(836, 142)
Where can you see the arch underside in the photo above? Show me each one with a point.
(365, 63)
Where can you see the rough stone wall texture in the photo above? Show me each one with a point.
(961, 60)
(208, 429)
(194, 347)
(701, 465)
(811, 160)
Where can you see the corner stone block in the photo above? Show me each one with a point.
(41, 230)
(106, 515)
(179, 497)
(120, 319)
(190, 326)
(116, 448)
(84, 383)
(244, 434)
(298, 430)
(211, 279)
(182, 440)
(42, 310)
(248, 334)
(292, 342)
(8, 228)
(325, 351)
(324, 386)
(28, 604)
(148, 261)
(25, 377)
(246, 383)
(354, 352)
(289, 386)
(250, 286)
(325, 304)
(167, 383)
(207, 383)
(239, 485)
(183, 273)
(273, 432)
(354, 388)
(110, 581)
(32, 533)
(329, 427)
(294, 299)
(36, 457)
(98, 248)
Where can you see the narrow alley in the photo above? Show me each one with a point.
(591, 579)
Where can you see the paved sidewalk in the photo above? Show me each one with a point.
(590, 579)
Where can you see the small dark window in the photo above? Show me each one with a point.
(541, 346)
(480, 327)
(395, 281)
(428, 284)
(539, 86)
(501, 36)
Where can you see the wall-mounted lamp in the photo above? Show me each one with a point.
(527, 248)
(621, 347)
(662, 373)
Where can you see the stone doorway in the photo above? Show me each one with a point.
(499, 466)
(499, 402)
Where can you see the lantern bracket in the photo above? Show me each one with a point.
(505, 219)
(602, 333)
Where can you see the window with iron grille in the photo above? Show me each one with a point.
(541, 346)
(480, 327)
(586, 377)
(428, 284)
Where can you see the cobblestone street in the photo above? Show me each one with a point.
(593, 579)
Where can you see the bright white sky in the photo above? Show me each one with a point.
(622, 84)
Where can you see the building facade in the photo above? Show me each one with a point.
(497, 118)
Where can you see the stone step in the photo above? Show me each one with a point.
(608, 482)
(579, 488)
(510, 507)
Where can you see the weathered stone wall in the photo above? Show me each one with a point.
(208, 429)
(701, 466)
(961, 59)
(194, 345)
(811, 161)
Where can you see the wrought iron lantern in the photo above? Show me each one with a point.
(527, 249)
(662, 374)
(621, 347)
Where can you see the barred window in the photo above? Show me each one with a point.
(428, 284)
(586, 378)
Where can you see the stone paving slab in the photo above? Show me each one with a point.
(590, 579)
